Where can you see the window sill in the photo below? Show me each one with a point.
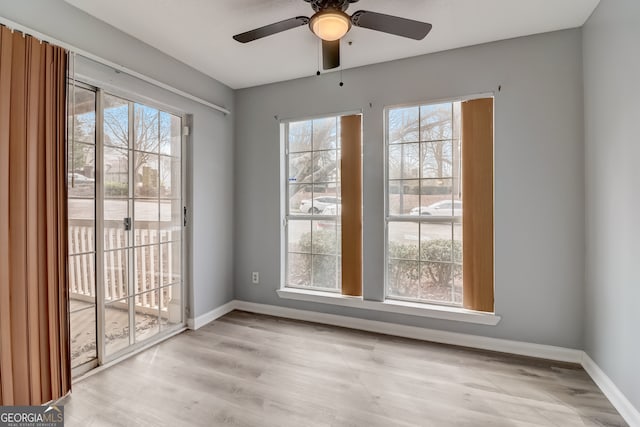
(392, 306)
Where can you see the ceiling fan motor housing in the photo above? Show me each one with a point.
(319, 5)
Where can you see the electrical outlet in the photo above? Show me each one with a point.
(255, 277)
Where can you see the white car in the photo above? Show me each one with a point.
(77, 178)
(442, 208)
(318, 204)
(331, 210)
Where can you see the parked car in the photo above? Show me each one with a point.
(331, 210)
(78, 179)
(441, 208)
(318, 204)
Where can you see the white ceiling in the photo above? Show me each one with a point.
(198, 32)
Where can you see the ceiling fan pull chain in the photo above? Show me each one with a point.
(318, 53)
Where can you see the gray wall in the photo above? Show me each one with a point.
(539, 169)
(612, 114)
(211, 145)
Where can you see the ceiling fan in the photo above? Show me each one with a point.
(330, 23)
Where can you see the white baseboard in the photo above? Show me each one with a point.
(613, 393)
(494, 344)
(212, 315)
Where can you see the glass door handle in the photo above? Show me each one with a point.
(127, 223)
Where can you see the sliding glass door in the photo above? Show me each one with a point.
(137, 199)
(142, 227)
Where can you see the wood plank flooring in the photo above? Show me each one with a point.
(252, 370)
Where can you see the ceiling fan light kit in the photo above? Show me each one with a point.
(330, 23)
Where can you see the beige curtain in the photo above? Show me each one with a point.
(477, 199)
(351, 216)
(34, 332)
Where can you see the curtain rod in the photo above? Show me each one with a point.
(14, 25)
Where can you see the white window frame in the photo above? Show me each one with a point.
(284, 203)
(419, 218)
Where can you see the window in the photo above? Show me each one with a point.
(313, 211)
(439, 157)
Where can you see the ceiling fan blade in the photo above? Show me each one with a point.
(330, 54)
(271, 29)
(391, 24)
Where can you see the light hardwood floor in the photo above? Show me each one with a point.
(252, 370)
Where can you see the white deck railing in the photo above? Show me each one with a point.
(152, 260)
